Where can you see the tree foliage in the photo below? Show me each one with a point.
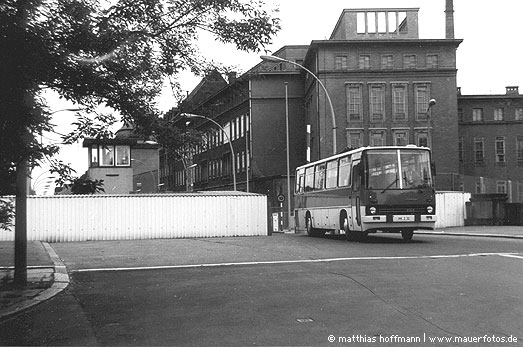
(85, 185)
(112, 53)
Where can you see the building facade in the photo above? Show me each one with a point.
(244, 135)
(490, 143)
(387, 87)
(381, 78)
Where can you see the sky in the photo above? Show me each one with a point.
(489, 58)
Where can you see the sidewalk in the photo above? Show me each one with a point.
(47, 275)
(511, 232)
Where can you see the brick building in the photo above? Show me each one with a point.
(381, 78)
(250, 109)
(490, 143)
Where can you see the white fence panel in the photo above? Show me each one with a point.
(450, 209)
(129, 217)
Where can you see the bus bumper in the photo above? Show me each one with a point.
(382, 222)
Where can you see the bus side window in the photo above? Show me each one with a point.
(319, 177)
(332, 174)
(356, 177)
(344, 172)
(309, 179)
(300, 181)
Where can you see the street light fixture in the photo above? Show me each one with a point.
(275, 59)
(233, 163)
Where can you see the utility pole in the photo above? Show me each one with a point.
(22, 187)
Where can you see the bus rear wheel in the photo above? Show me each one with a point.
(407, 234)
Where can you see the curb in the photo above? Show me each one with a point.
(60, 282)
(500, 236)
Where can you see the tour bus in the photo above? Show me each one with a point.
(370, 189)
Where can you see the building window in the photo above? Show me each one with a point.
(479, 150)
(432, 61)
(460, 149)
(477, 114)
(460, 115)
(501, 187)
(422, 139)
(227, 129)
(519, 148)
(401, 137)
(341, 62)
(499, 113)
(399, 102)
(354, 139)
(422, 95)
(106, 155)
(123, 155)
(500, 149)
(410, 61)
(109, 155)
(364, 62)
(387, 61)
(94, 155)
(354, 109)
(518, 113)
(377, 102)
(377, 138)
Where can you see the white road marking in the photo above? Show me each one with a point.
(274, 262)
(511, 255)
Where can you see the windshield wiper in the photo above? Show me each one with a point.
(390, 185)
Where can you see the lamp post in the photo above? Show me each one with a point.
(288, 157)
(432, 102)
(150, 171)
(190, 115)
(273, 59)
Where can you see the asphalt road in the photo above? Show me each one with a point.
(283, 290)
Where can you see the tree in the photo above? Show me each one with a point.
(84, 185)
(108, 53)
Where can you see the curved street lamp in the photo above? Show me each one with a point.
(432, 102)
(190, 115)
(274, 59)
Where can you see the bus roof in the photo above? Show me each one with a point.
(361, 149)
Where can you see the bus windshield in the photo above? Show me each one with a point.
(398, 169)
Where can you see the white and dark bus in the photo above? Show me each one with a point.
(370, 189)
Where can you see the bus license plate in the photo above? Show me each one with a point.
(403, 218)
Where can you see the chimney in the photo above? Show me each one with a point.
(512, 90)
(449, 19)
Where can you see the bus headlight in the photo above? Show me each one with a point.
(372, 210)
(430, 209)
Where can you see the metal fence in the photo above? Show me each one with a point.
(130, 217)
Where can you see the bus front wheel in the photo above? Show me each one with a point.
(353, 236)
(407, 234)
(311, 231)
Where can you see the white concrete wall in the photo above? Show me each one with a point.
(129, 217)
(450, 209)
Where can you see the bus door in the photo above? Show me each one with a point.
(355, 221)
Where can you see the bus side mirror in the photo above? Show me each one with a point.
(433, 168)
